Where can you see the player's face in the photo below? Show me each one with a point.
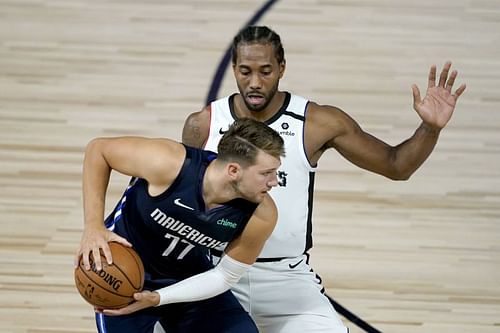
(258, 179)
(257, 74)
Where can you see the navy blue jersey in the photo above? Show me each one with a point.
(173, 232)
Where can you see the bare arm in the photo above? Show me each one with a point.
(333, 128)
(156, 160)
(196, 127)
(395, 162)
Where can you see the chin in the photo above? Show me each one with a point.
(255, 199)
(260, 197)
(256, 108)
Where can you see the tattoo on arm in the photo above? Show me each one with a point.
(192, 136)
(195, 130)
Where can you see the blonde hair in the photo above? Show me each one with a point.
(245, 137)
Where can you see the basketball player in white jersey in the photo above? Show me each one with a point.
(280, 291)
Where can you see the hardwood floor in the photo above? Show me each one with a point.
(408, 257)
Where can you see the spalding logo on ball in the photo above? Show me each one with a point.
(114, 285)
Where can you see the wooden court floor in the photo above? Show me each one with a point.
(409, 257)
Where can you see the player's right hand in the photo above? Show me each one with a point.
(95, 240)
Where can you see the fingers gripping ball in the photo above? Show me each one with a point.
(112, 287)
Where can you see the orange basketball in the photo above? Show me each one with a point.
(114, 285)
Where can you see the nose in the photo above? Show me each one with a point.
(255, 82)
(273, 182)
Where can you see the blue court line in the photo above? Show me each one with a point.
(212, 96)
(352, 317)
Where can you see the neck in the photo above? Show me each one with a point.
(216, 187)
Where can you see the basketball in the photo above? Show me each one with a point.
(114, 285)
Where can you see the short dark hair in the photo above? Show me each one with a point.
(260, 35)
(245, 137)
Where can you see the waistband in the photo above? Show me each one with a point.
(218, 253)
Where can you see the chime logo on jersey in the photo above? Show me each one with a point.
(227, 223)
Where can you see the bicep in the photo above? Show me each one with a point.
(196, 127)
(151, 159)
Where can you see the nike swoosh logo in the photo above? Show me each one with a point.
(295, 265)
(180, 204)
(221, 131)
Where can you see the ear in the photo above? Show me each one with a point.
(282, 68)
(233, 170)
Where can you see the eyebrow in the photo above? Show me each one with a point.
(260, 67)
(269, 169)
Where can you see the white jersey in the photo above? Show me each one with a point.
(292, 235)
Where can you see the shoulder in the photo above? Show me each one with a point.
(267, 212)
(315, 111)
(196, 128)
(165, 152)
(199, 118)
(323, 125)
(261, 223)
(327, 117)
(164, 164)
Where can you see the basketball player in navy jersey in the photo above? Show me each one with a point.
(183, 203)
(280, 291)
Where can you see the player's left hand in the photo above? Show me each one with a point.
(439, 103)
(144, 299)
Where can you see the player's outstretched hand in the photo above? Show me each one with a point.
(439, 102)
(144, 299)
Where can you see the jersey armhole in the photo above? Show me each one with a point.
(312, 168)
(209, 107)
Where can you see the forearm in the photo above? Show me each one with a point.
(96, 173)
(205, 285)
(412, 153)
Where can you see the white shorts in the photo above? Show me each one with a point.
(286, 296)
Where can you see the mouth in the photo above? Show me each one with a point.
(255, 99)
